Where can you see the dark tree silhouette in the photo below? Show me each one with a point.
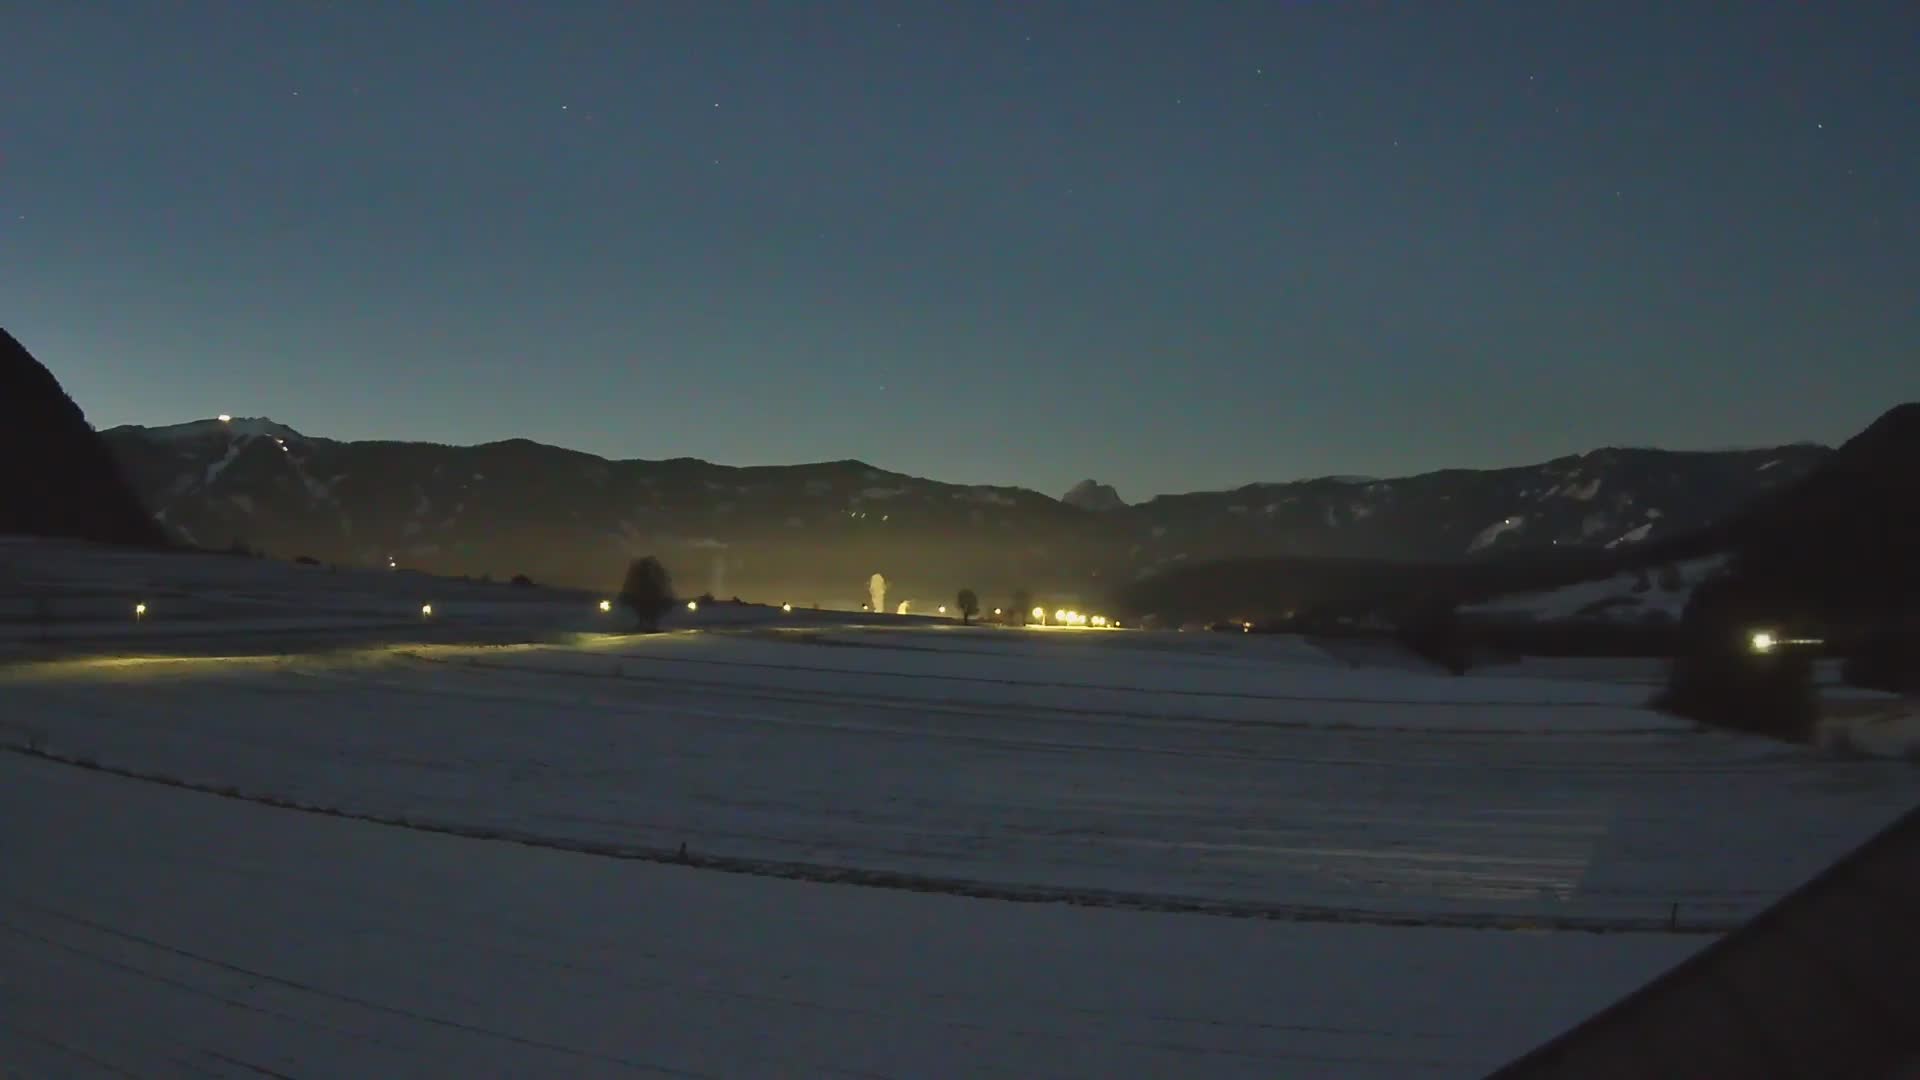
(522, 581)
(1434, 632)
(648, 592)
(1717, 677)
(969, 605)
(1022, 604)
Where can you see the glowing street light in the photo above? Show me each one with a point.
(693, 605)
(1039, 615)
(1060, 616)
(426, 611)
(139, 611)
(943, 609)
(606, 606)
(1763, 642)
(787, 608)
(225, 419)
(996, 613)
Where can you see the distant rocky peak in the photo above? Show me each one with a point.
(1090, 495)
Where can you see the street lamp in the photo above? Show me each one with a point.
(139, 612)
(426, 611)
(693, 605)
(1763, 642)
(606, 606)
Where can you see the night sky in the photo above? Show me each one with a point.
(1169, 246)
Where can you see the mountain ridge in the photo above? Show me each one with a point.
(816, 531)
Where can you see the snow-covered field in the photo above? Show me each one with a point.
(1263, 860)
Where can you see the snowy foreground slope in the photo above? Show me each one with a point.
(153, 932)
(1261, 859)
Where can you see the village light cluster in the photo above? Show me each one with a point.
(1068, 617)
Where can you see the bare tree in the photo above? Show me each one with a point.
(969, 605)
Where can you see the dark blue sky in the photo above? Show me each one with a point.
(1169, 246)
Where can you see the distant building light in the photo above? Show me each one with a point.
(225, 419)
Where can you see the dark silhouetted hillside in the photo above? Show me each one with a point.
(1834, 557)
(57, 477)
(1840, 546)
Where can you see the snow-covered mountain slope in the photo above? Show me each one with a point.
(1659, 595)
(1606, 499)
(816, 532)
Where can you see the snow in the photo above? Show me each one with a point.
(1584, 492)
(1632, 536)
(1614, 598)
(214, 469)
(1869, 722)
(1261, 859)
(1493, 532)
(294, 944)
